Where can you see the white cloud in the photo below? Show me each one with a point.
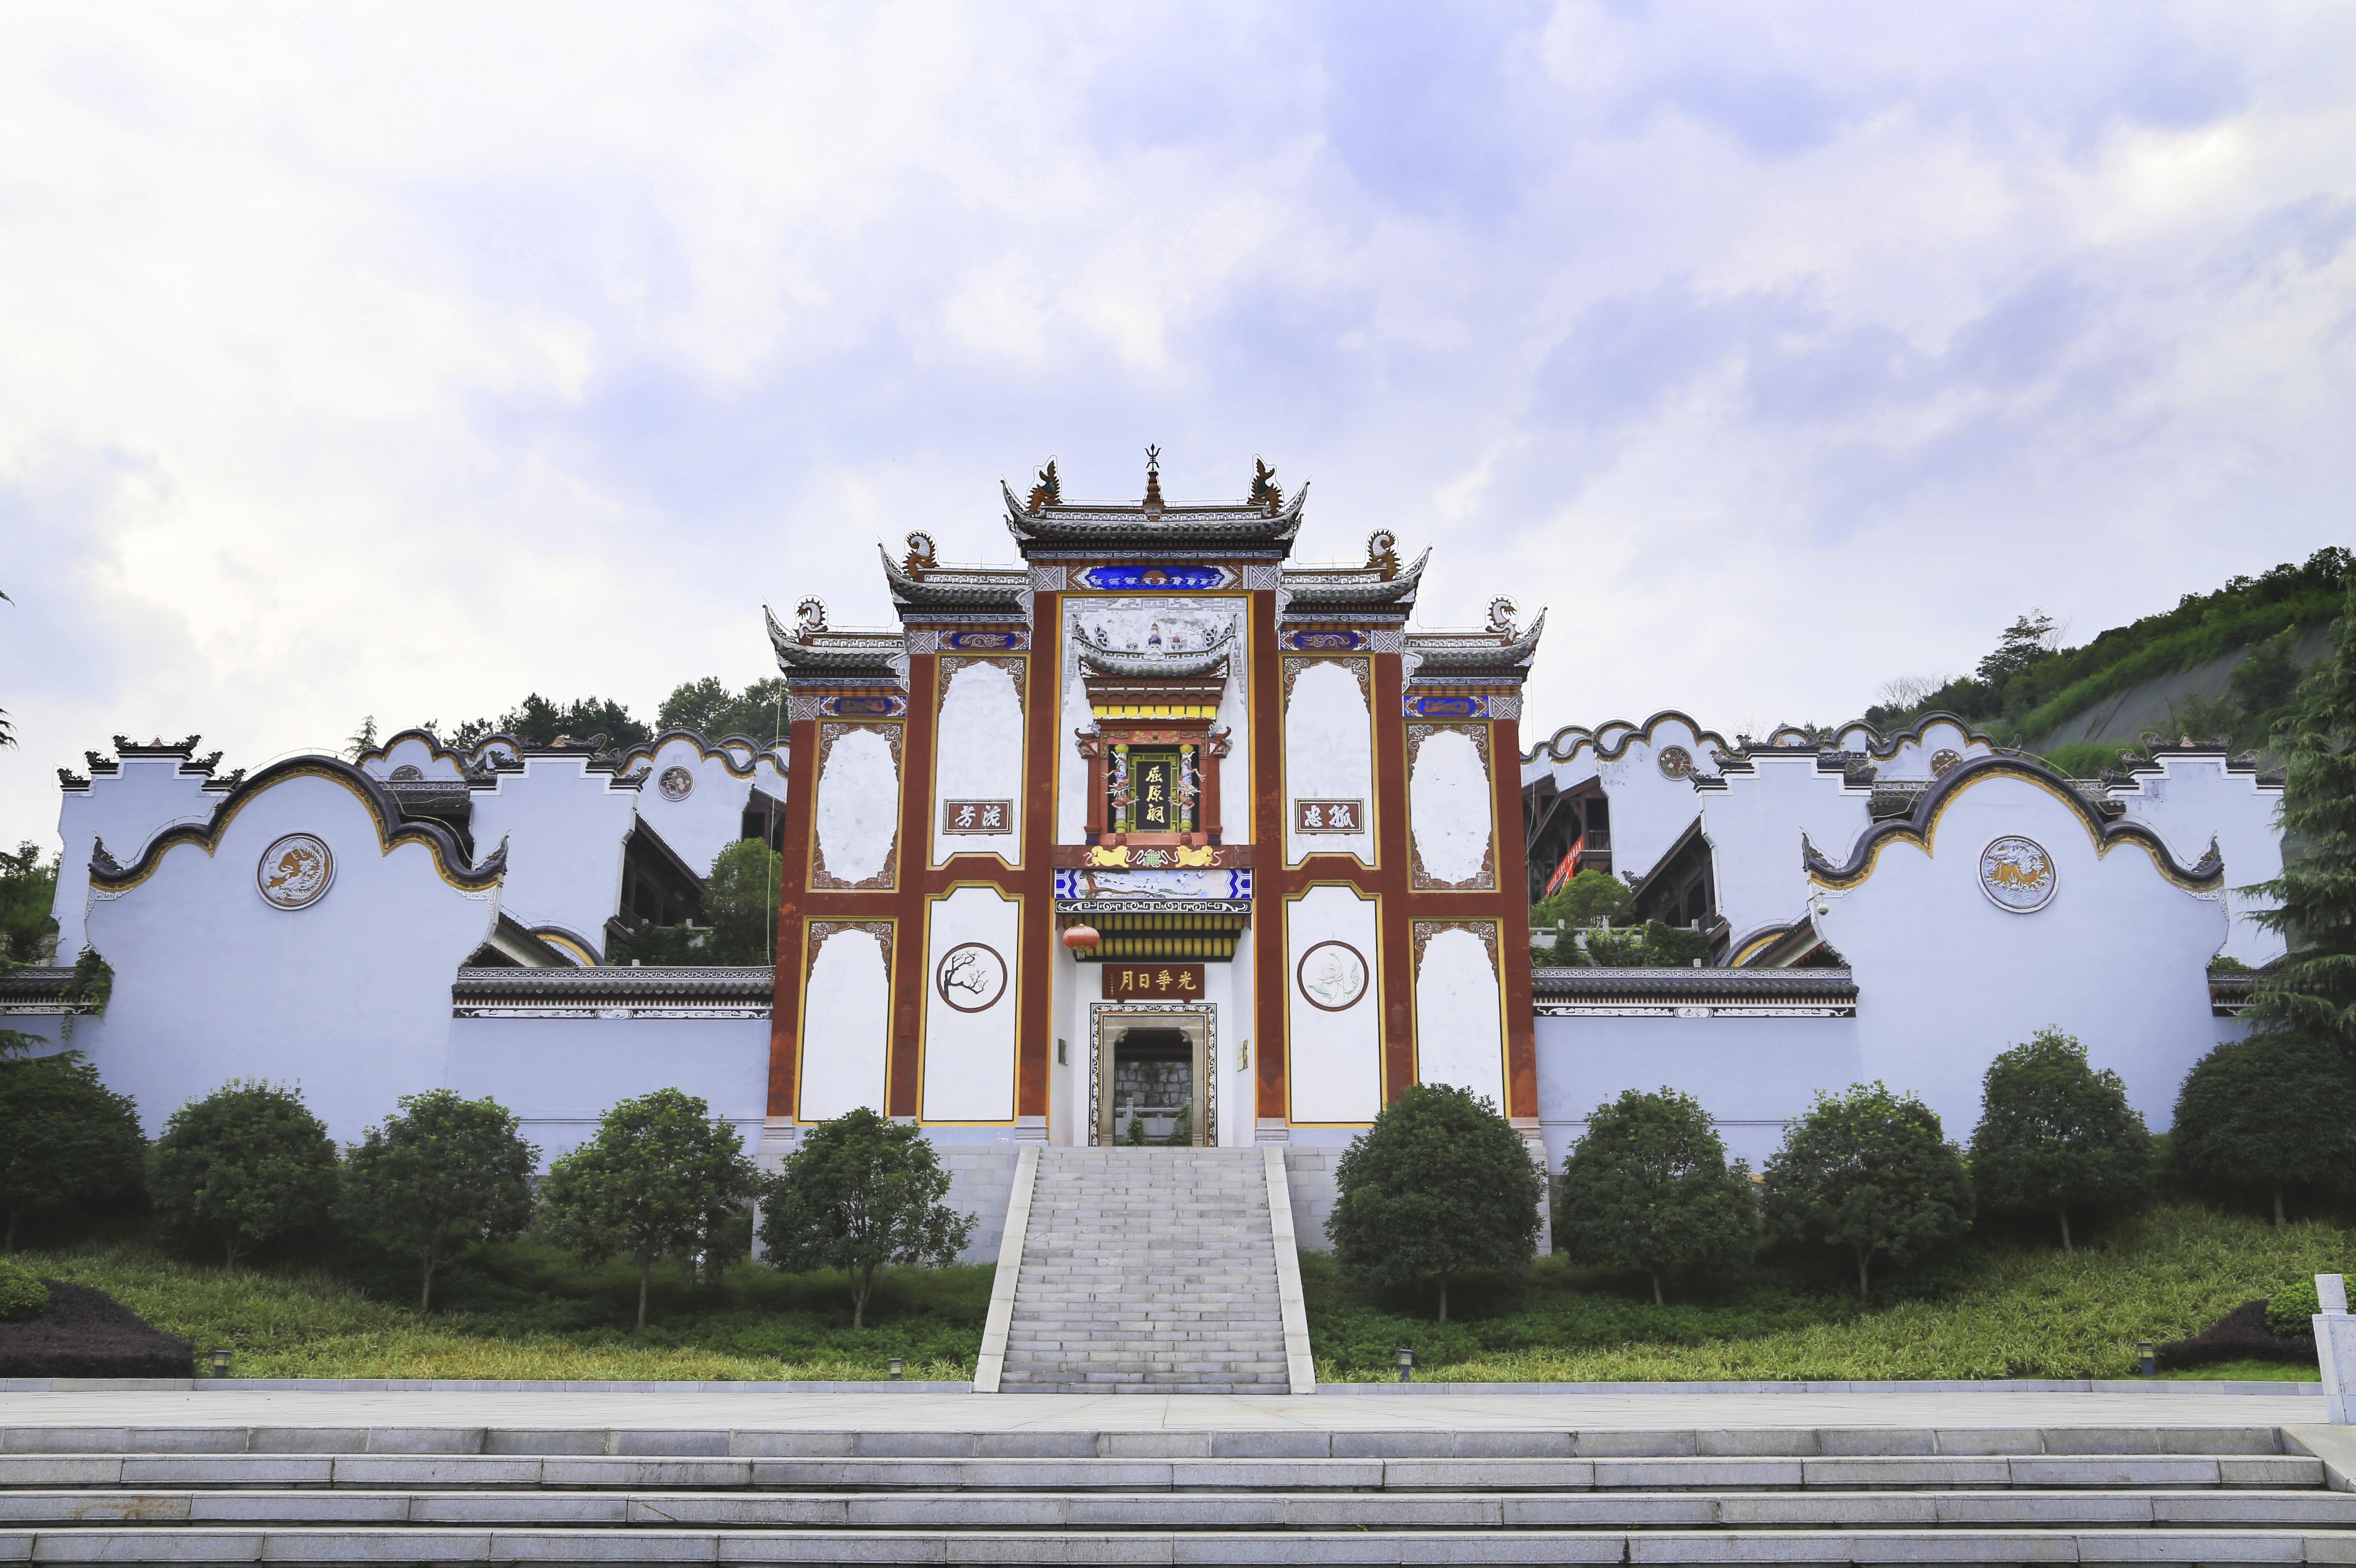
(403, 362)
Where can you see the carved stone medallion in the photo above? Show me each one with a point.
(296, 872)
(2017, 875)
(1332, 976)
(1942, 761)
(676, 783)
(1675, 762)
(971, 978)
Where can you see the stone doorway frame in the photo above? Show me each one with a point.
(1201, 1026)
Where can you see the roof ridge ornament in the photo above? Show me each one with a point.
(1265, 491)
(809, 618)
(1500, 617)
(1152, 481)
(1382, 552)
(922, 556)
(1049, 491)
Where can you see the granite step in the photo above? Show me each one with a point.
(1147, 1271)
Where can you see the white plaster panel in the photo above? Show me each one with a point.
(347, 999)
(560, 1075)
(970, 1056)
(1650, 810)
(125, 810)
(564, 828)
(1912, 758)
(1754, 827)
(1946, 979)
(414, 750)
(1328, 754)
(1333, 1060)
(980, 757)
(1752, 1074)
(858, 810)
(710, 818)
(2193, 800)
(1449, 807)
(846, 1023)
(1459, 1022)
(1072, 776)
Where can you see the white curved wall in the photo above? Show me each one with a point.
(2194, 799)
(349, 998)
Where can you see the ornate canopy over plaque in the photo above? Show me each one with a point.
(1332, 976)
(296, 872)
(2017, 875)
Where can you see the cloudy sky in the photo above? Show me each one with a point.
(401, 360)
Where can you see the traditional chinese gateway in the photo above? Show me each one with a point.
(1152, 833)
(1155, 823)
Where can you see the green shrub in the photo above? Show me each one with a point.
(2055, 1135)
(862, 1192)
(70, 1138)
(2267, 1114)
(22, 1295)
(1648, 1188)
(247, 1162)
(1869, 1171)
(2292, 1309)
(441, 1173)
(1440, 1184)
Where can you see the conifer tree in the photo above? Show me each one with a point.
(2312, 989)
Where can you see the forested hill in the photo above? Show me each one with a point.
(2027, 690)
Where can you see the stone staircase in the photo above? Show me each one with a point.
(1148, 1271)
(1272, 1493)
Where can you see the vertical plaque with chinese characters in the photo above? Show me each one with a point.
(977, 817)
(1152, 982)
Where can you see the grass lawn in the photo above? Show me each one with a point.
(525, 1312)
(1995, 1308)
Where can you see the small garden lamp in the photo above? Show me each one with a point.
(1406, 1362)
(2146, 1365)
(895, 1364)
(220, 1363)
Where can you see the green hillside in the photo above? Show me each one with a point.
(2248, 638)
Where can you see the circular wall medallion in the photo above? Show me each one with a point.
(1332, 976)
(408, 773)
(1676, 761)
(971, 978)
(296, 872)
(1942, 762)
(2017, 874)
(676, 783)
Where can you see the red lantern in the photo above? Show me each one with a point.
(1081, 938)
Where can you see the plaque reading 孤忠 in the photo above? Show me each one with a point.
(1152, 982)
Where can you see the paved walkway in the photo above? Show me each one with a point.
(1665, 1410)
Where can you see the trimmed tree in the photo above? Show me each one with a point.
(442, 1173)
(69, 1137)
(1439, 1184)
(2275, 1110)
(2312, 990)
(247, 1162)
(1648, 1188)
(654, 1179)
(2055, 1135)
(1871, 1172)
(859, 1193)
